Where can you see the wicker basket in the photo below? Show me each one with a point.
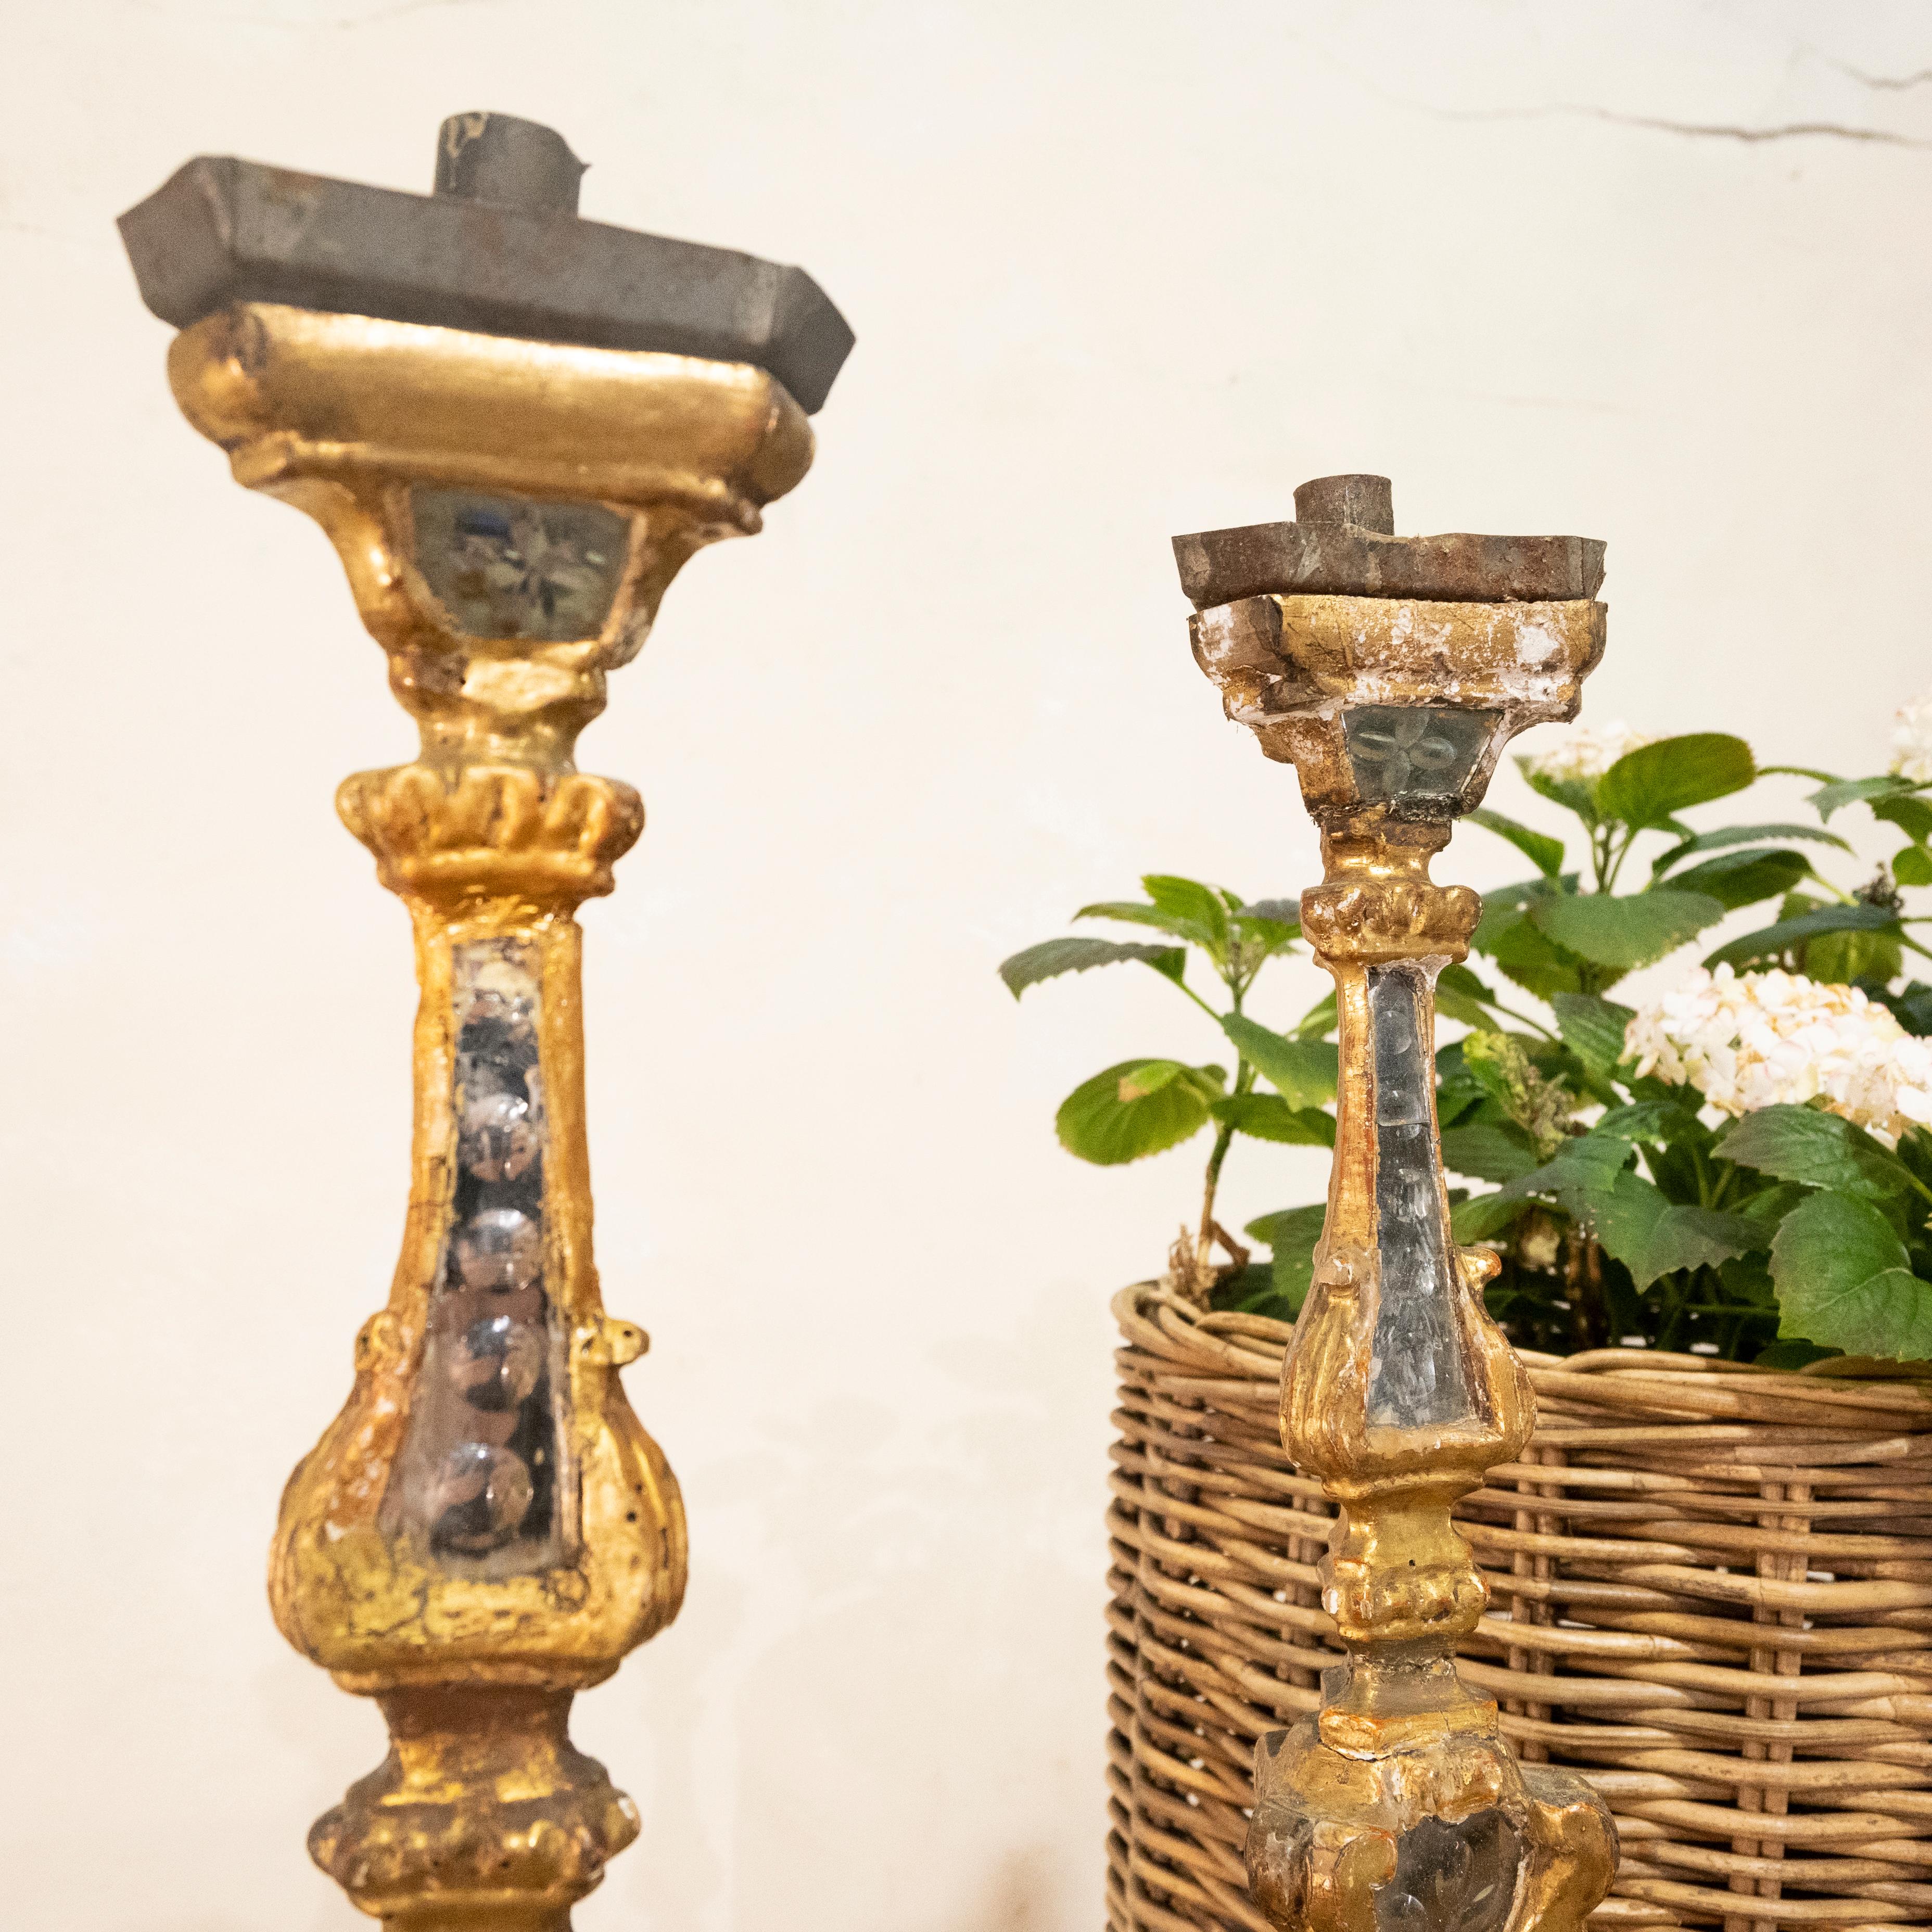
(1711, 1590)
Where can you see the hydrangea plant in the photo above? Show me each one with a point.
(1742, 1165)
(1280, 1086)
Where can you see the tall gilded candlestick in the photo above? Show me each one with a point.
(515, 425)
(1391, 672)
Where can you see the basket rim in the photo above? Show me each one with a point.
(1157, 1318)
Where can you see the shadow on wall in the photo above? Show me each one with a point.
(871, 1600)
(1018, 1896)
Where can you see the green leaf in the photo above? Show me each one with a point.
(1460, 995)
(1503, 906)
(1684, 1237)
(1485, 1216)
(1581, 1171)
(1269, 1117)
(1458, 979)
(1536, 964)
(1844, 1280)
(1624, 1216)
(1192, 903)
(1133, 913)
(1911, 865)
(1651, 785)
(1747, 1277)
(1252, 1291)
(1452, 1003)
(1771, 1204)
(1838, 958)
(1792, 1355)
(1593, 1029)
(1137, 1108)
(1639, 1226)
(1292, 1233)
(1818, 1149)
(1650, 1122)
(1457, 1090)
(1542, 851)
(1582, 1174)
(1281, 912)
(1488, 1153)
(1320, 1020)
(1263, 929)
(1909, 812)
(1689, 1236)
(1195, 914)
(1055, 956)
(1850, 791)
(1624, 932)
(1772, 942)
(1570, 793)
(1303, 1071)
(1742, 834)
(1736, 879)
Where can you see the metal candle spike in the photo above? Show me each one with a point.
(515, 425)
(1391, 672)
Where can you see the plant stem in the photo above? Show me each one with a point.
(1583, 1276)
(1224, 1136)
(1623, 852)
(1703, 1167)
(1523, 1019)
(1674, 1310)
(1205, 1240)
(1199, 1001)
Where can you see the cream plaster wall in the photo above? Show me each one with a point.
(1117, 270)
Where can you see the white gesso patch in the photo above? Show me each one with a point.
(1535, 647)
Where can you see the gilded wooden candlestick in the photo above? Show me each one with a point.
(485, 1529)
(1391, 672)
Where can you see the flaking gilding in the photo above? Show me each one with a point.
(1401, 1779)
(1286, 665)
(484, 1815)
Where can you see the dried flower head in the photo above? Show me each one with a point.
(1912, 741)
(1581, 756)
(1764, 1040)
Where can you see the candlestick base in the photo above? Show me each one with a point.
(1437, 1829)
(483, 1817)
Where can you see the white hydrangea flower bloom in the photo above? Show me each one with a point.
(1912, 741)
(1581, 756)
(1764, 1040)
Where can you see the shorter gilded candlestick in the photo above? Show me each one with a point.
(1391, 672)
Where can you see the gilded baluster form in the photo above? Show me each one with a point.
(514, 427)
(1391, 672)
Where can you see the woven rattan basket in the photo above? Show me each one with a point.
(1711, 1590)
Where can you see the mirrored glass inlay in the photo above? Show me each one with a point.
(1452, 1876)
(1414, 754)
(479, 1478)
(1417, 1373)
(519, 566)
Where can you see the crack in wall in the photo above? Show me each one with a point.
(1886, 83)
(1790, 130)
